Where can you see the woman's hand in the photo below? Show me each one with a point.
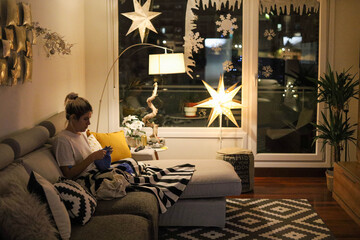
(100, 154)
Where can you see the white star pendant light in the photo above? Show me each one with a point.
(141, 18)
(221, 101)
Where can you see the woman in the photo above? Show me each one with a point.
(72, 150)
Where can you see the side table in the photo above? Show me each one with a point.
(243, 162)
(148, 153)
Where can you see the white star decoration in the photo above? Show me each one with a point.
(141, 18)
(221, 101)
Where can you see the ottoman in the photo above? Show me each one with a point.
(203, 203)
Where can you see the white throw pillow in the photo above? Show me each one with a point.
(49, 195)
(94, 143)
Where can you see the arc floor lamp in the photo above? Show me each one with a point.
(166, 63)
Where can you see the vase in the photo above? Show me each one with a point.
(133, 142)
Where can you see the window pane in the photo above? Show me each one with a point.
(213, 47)
(288, 55)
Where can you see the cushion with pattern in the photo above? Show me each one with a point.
(79, 203)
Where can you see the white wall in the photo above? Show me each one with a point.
(22, 106)
(96, 54)
(347, 48)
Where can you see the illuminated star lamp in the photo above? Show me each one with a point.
(141, 18)
(166, 63)
(221, 102)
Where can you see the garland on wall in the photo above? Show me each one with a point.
(54, 43)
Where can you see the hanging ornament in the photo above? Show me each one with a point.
(221, 101)
(141, 18)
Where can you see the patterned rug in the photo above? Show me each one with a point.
(273, 219)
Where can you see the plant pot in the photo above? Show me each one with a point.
(133, 142)
(329, 179)
(190, 111)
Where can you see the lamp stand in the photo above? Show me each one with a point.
(220, 123)
(112, 67)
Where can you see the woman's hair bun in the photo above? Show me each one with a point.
(72, 96)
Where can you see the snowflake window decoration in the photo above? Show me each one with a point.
(216, 49)
(228, 66)
(267, 71)
(195, 41)
(226, 25)
(269, 34)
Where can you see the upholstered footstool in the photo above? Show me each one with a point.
(203, 203)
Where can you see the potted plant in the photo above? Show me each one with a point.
(335, 129)
(132, 127)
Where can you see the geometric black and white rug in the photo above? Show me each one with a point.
(272, 219)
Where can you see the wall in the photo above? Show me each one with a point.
(346, 49)
(22, 106)
(96, 54)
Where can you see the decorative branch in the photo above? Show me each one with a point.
(54, 43)
(148, 116)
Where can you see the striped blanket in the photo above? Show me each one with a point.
(129, 175)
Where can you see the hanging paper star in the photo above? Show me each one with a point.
(221, 101)
(141, 18)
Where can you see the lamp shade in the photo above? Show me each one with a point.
(170, 63)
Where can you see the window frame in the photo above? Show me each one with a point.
(246, 134)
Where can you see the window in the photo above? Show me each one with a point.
(210, 50)
(288, 57)
(278, 42)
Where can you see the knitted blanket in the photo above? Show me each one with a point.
(129, 175)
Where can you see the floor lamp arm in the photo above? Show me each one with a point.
(112, 67)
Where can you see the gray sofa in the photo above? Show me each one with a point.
(135, 216)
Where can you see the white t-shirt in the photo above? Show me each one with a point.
(71, 148)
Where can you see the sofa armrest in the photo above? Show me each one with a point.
(146, 154)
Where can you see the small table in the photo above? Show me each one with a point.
(148, 153)
(160, 149)
(243, 163)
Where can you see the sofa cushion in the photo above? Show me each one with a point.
(6, 155)
(136, 203)
(14, 173)
(55, 123)
(118, 143)
(43, 162)
(212, 178)
(28, 140)
(111, 227)
(49, 195)
(23, 217)
(79, 203)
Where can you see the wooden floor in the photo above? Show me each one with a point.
(314, 189)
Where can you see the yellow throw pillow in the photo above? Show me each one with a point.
(117, 141)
